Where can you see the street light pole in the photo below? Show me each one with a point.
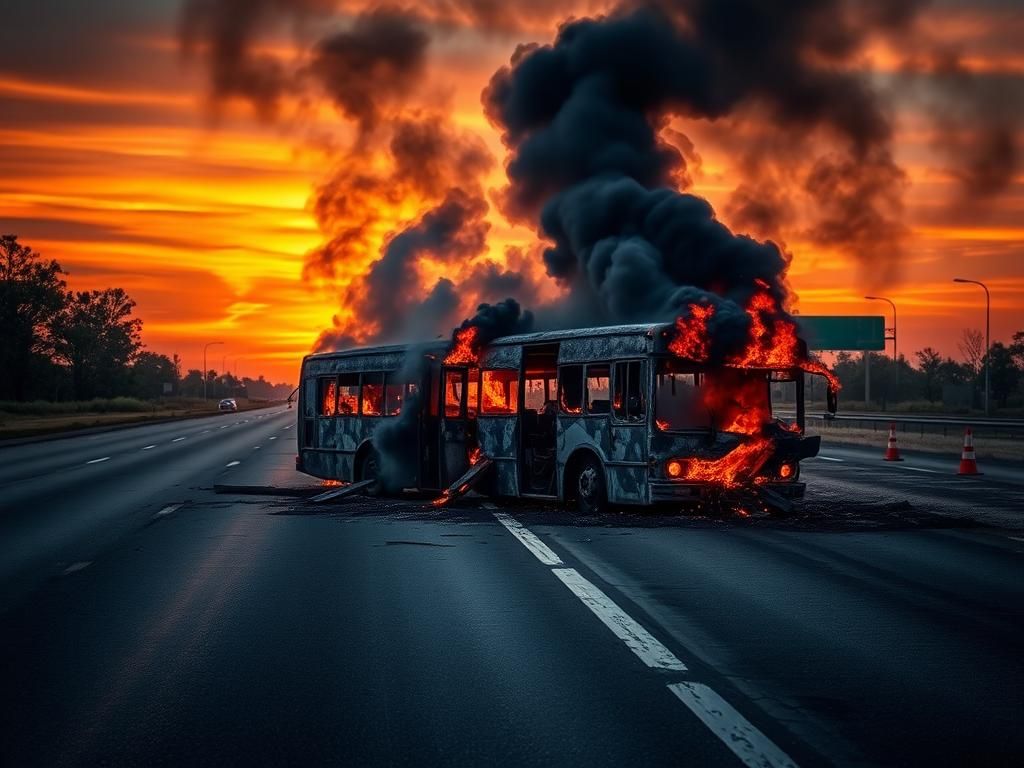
(895, 356)
(988, 317)
(212, 343)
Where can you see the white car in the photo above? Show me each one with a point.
(227, 404)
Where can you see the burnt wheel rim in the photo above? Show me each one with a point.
(587, 483)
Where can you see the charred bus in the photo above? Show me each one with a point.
(593, 416)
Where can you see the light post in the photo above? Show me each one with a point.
(212, 343)
(895, 356)
(988, 315)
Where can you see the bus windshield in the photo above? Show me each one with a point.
(728, 399)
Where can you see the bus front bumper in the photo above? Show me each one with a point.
(668, 490)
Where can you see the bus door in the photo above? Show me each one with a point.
(538, 420)
(459, 394)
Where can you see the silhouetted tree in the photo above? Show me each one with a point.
(31, 295)
(972, 347)
(150, 372)
(930, 361)
(1005, 375)
(97, 338)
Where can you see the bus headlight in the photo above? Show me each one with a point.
(674, 468)
(787, 471)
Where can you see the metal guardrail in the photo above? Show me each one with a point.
(1002, 429)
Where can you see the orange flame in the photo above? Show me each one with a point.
(692, 340)
(732, 469)
(464, 346)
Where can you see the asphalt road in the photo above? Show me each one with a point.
(146, 620)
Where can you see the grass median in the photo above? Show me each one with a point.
(31, 419)
(947, 445)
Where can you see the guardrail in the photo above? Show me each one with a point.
(1002, 429)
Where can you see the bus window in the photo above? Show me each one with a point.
(628, 400)
(328, 397)
(539, 390)
(348, 394)
(373, 394)
(453, 393)
(499, 392)
(677, 401)
(393, 393)
(570, 389)
(598, 389)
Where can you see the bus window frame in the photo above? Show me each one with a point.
(645, 391)
(586, 388)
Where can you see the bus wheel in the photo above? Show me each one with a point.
(369, 469)
(591, 492)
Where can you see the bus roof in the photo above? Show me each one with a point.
(539, 337)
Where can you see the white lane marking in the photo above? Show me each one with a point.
(272, 437)
(97, 461)
(255, 447)
(751, 746)
(204, 431)
(76, 567)
(168, 509)
(225, 426)
(829, 458)
(921, 469)
(149, 447)
(177, 439)
(1015, 538)
(529, 539)
(637, 639)
(232, 463)
(288, 427)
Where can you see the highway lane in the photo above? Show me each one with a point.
(251, 630)
(62, 500)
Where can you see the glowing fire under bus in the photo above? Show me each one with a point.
(599, 415)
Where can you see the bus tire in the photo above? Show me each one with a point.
(369, 469)
(589, 488)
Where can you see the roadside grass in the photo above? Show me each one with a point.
(948, 445)
(41, 418)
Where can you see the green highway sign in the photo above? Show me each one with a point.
(843, 332)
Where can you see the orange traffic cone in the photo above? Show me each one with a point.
(968, 461)
(892, 453)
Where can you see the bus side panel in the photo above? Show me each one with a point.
(576, 432)
(627, 465)
(329, 465)
(499, 439)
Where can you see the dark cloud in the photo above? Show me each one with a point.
(381, 58)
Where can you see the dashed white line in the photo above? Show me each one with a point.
(1015, 538)
(232, 463)
(255, 447)
(272, 437)
(204, 431)
(169, 509)
(529, 539)
(637, 639)
(148, 447)
(177, 439)
(288, 427)
(224, 426)
(76, 567)
(751, 746)
(921, 469)
(829, 458)
(97, 461)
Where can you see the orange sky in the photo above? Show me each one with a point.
(111, 163)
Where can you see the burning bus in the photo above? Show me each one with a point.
(629, 414)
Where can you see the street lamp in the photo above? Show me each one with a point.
(212, 343)
(988, 316)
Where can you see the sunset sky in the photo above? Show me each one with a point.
(118, 160)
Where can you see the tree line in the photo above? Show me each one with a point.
(57, 344)
(940, 380)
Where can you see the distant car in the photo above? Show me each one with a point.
(227, 404)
